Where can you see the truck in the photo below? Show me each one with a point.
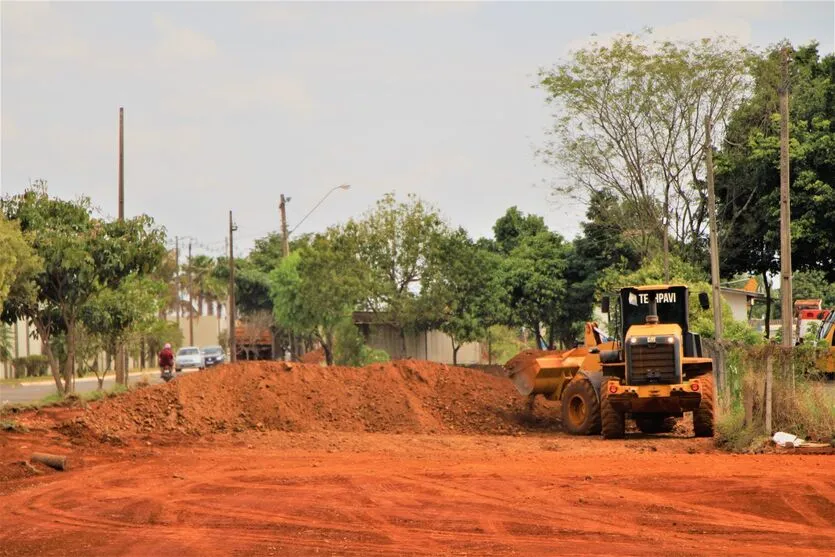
(652, 370)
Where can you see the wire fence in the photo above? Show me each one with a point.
(768, 388)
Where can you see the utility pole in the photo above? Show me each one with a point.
(177, 275)
(785, 205)
(285, 242)
(190, 301)
(714, 257)
(121, 163)
(121, 356)
(233, 347)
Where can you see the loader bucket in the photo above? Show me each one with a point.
(544, 372)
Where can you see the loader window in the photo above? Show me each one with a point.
(672, 306)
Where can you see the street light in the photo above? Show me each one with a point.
(339, 187)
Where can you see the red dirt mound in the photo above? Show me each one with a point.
(399, 397)
(313, 357)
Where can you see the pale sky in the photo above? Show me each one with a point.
(230, 104)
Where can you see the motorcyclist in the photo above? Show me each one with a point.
(166, 358)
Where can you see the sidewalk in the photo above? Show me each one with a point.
(88, 378)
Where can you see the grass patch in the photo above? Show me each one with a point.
(802, 402)
(12, 425)
(71, 399)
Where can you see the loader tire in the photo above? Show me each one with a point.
(703, 416)
(580, 408)
(613, 422)
(656, 424)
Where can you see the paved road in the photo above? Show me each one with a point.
(35, 391)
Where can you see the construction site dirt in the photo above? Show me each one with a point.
(407, 458)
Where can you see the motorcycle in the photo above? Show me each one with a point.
(167, 373)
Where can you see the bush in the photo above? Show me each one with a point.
(30, 366)
(37, 365)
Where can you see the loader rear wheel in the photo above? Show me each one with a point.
(613, 422)
(656, 424)
(703, 416)
(580, 408)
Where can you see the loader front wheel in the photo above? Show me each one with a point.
(703, 416)
(580, 408)
(613, 421)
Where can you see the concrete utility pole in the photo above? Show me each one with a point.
(177, 275)
(233, 347)
(121, 163)
(714, 254)
(285, 242)
(122, 365)
(785, 205)
(190, 301)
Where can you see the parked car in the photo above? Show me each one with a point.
(213, 355)
(188, 356)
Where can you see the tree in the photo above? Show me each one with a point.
(466, 288)
(748, 179)
(631, 124)
(116, 314)
(813, 285)
(512, 227)
(317, 288)
(603, 244)
(396, 243)
(534, 279)
(80, 256)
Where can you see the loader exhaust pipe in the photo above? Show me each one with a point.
(652, 316)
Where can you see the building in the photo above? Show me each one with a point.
(740, 301)
(434, 346)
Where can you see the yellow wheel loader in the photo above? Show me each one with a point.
(652, 372)
(657, 373)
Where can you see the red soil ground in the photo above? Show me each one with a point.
(406, 458)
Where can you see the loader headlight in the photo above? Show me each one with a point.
(671, 340)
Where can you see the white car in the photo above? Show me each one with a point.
(188, 356)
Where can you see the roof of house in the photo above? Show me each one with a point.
(747, 293)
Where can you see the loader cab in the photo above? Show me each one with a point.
(672, 302)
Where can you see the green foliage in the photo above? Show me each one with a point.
(513, 227)
(6, 343)
(813, 285)
(802, 404)
(748, 179)
(82, 257)
(396, 245)
(350, 348)
(503, 343)
(34, 365)
(466, 288)
(317, 287)
(631, 124)
(18, 261)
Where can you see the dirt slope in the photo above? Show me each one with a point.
(399, 397)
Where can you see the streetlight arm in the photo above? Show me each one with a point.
(340, 187)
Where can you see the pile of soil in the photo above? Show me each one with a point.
(405, 396)
(313, 357)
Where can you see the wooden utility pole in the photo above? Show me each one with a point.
(190, 301)
(233, 347)
(177, 275)
(285, 242)
(714, 257)
(785, 205)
